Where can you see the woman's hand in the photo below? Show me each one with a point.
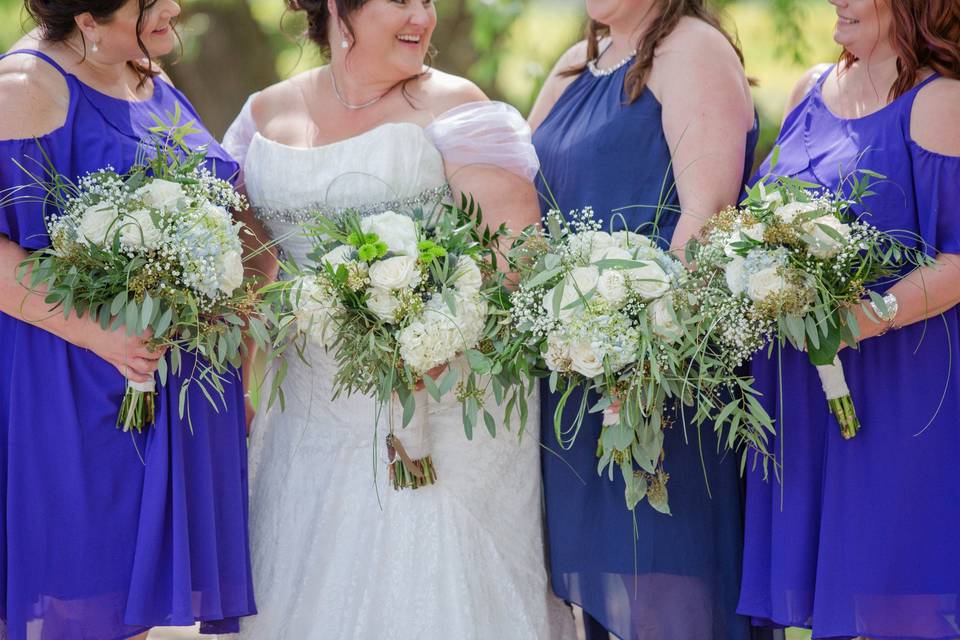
(131, 355)
(433, 373)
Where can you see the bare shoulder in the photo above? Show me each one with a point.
(803, 86)
(935, 120)
(572, 57)
(281, 99)
(34, 97)
(439, 91)
(556, 83)
(695, 40)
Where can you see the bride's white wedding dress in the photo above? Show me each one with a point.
(336, 552)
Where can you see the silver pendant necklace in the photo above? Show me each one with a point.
(354, 107)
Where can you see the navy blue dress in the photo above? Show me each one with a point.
(641, 575)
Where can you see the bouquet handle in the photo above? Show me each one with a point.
(838, 397)
(138, 409)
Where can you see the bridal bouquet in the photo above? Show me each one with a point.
(394, 296)
(152, 250)
(610, 313)
(793, 262)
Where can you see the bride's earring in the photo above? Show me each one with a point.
(95, 47)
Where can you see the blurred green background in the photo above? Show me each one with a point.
(232, 48)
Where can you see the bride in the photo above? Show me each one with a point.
(336, 552)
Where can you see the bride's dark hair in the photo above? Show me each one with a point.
(318, 18)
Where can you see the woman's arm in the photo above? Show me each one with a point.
(929, 291)
(33, 101)
(707, 114)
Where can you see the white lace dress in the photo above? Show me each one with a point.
(336, 552)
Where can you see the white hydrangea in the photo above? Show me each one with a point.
(438, 336)
(314, 310)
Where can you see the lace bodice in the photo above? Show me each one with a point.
(393, 166)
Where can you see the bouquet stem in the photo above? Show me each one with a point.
(138, 409)
(838, 398)
(406, 473)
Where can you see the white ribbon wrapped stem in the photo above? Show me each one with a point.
(833, 381)
(143, 387)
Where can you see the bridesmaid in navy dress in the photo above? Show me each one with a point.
(860, 537)
(95, 542)
(652, 109)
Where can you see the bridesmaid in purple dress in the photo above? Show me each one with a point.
(859, 538)
(97, 543)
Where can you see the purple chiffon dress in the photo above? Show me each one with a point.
(104, 534)
(860, 537)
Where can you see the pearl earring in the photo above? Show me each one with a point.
(95, 47)
(344, 44)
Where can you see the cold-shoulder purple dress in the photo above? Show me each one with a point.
(95, 542)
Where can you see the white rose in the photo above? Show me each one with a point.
(630, 240)
(383, 304)
(397, 231)
(583, 245)
(753, 231)
(467, 278)
(765, 283)
(161, 194)
(663, 321)
(612, 287)
(98, 221)
(584, 361)
(735, 276)
(557, 355)
(822, 244)
(580, 281)
(338, 255)
(231, 272)
(650, 280)
(790, 211)
(398, 272)
(138, 230)
(610, 253)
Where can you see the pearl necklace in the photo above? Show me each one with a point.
(599, 73)
(354, 107)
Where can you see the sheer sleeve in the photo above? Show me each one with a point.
(485, 133)
(21, 198)
(237, 138)
(937, 188)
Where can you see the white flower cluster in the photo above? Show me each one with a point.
(184, 231)
(398, 291)
(615, 288)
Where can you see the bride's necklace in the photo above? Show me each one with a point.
(349, 105)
